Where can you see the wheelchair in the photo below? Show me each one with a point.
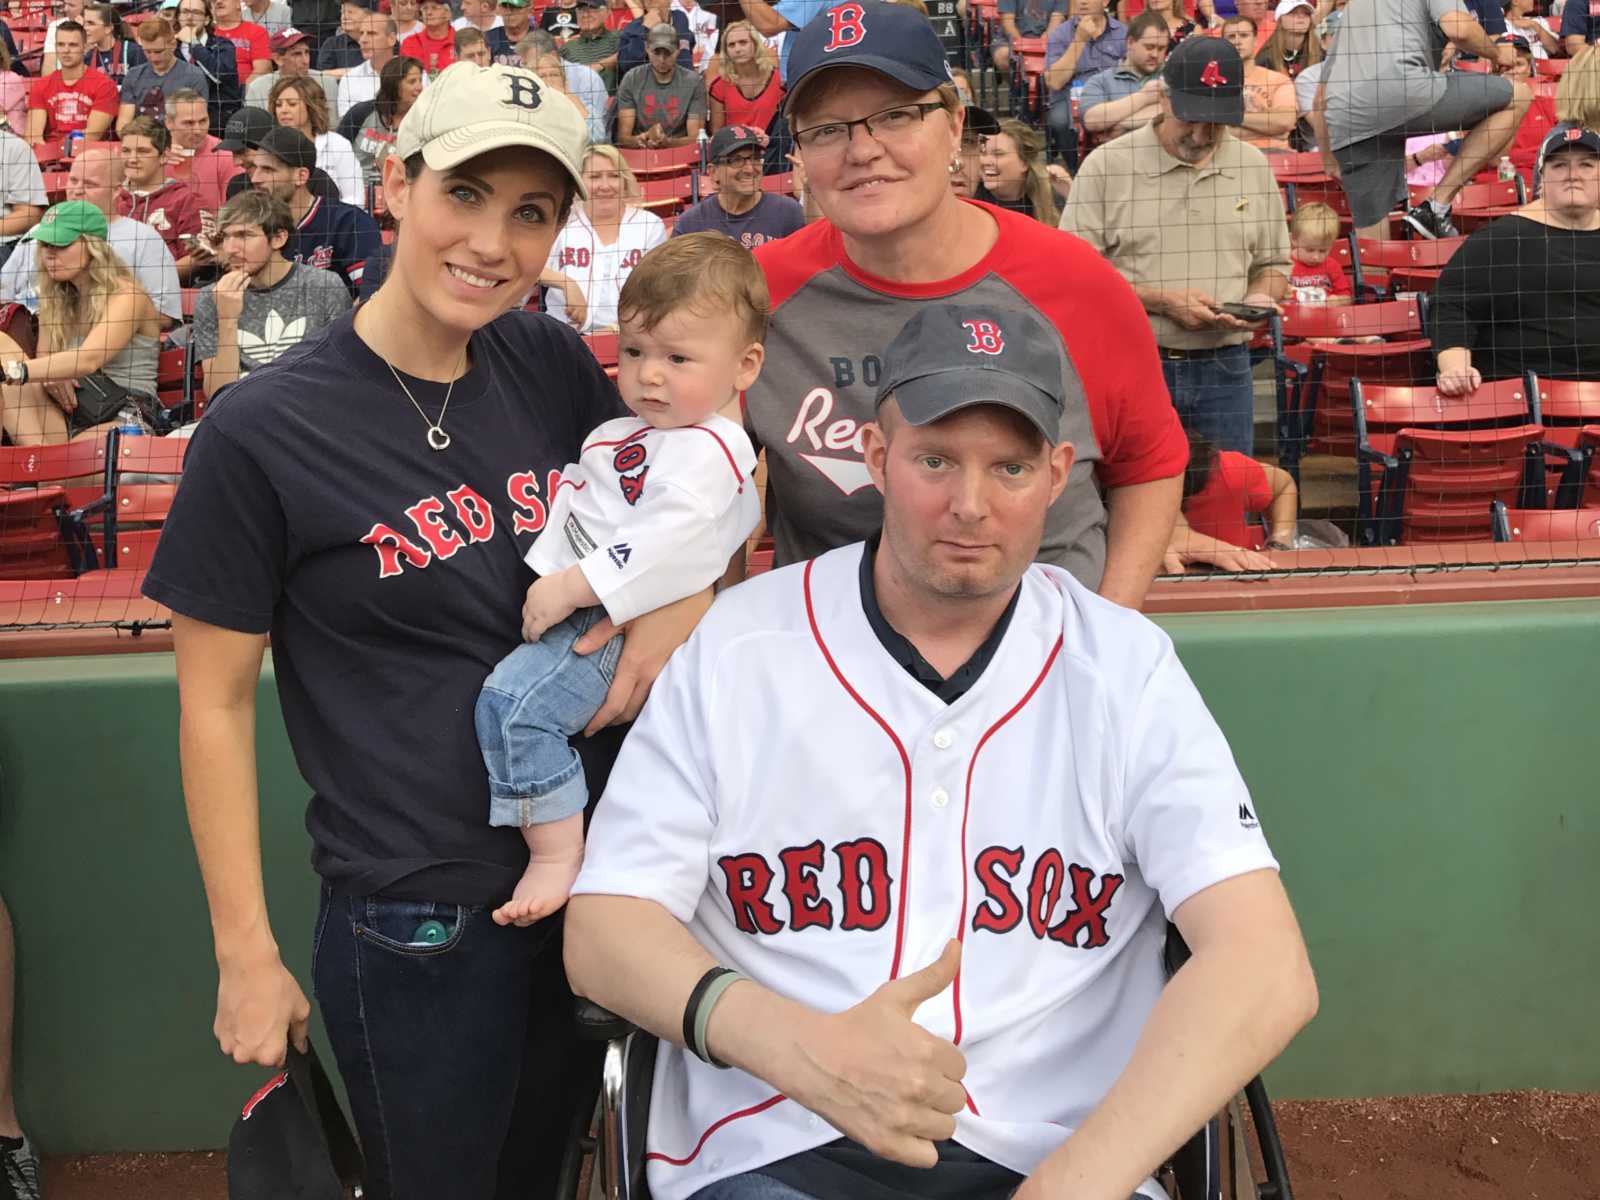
(1214, 1164)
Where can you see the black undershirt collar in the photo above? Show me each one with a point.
(908, 656)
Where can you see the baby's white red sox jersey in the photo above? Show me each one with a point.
(651, 515)
(600, 268)
(821, 821)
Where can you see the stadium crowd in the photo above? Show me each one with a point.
(216, 176)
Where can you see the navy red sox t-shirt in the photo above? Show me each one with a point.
(772, 218)
(390, 577)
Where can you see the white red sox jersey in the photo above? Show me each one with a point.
(651, 515)
(601, 268)
(821, 821)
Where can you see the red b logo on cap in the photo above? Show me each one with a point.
(986, 337)
(1574, 134)
(846, 27)
(1212, 75)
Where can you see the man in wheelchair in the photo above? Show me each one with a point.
(888, 859)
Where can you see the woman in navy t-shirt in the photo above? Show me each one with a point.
(368, 499)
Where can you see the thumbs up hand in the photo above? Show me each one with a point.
(881, 1079)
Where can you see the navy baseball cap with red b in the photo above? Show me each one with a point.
(1205, 82)
(892, 39)
(953, 356)
(292, 1142)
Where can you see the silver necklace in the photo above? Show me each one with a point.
(438, 439)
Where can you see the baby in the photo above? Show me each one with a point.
(653, 510)
(1315, 276)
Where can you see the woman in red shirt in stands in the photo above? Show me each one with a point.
(748, 91)
(877, 125)
(1222, 491)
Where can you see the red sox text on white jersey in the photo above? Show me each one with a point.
(821, 821)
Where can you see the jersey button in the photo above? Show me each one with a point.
(940, 797)
(943, 738)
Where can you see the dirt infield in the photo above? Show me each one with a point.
(1507, 1146)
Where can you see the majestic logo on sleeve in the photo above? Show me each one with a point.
(849, 887)
(846, 27)
(986, 337)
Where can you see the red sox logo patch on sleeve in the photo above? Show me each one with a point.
(847, 27)
(631, 468)
(987, 337)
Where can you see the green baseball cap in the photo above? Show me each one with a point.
(67, 222)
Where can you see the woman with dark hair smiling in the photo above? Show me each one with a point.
(368, 500)
(399, 85)
(878, 125)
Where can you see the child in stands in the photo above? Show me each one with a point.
(1315, 276)
(652, 512)
(1222, 490)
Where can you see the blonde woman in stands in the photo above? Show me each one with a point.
(877, 125)
(1014, 175)
(1578, 93)
(602, 242)
(98, 336)
(299, 102)
(747, 90)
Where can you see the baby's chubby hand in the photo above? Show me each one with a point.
(550, 601)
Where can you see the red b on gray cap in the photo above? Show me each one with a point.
(953, 356)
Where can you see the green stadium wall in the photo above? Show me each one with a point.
(1424, 773)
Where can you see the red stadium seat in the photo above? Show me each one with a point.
(1440, 461)
(1413, 265)
(55, 186)
(604, 348)
(140, 504)
(1479, 203)
(1304, 167)
(1551, 68)
(675, 160)
(664, 194)
(1565, 406)
(1318, 374)
(779, 185)
(31, 541)
(80, 473)
(1547, 525)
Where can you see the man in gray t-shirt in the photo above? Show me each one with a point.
(660, 104)
(264, 305)
(1382, 84)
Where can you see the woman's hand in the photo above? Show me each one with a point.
(260, 1009)
(648, 642)
(577, 303)
(64, 394)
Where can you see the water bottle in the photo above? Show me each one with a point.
(74, 140)
(705, 138)
(129, 422)
(1508, 171)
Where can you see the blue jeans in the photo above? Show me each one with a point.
(1063, 133)
(460, 1056)
(1215, 397)
(538, 697)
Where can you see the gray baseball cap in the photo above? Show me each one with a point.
(952, 356)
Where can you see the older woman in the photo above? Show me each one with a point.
(1520, 295)
(877, 127)
(368, 500)
(550, 67)
(602, 242)
(299, 102)
(98, 332)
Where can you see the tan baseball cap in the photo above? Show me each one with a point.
(469, 110)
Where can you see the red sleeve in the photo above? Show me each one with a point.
(1246, 478)
(789, 262)
(718, 86)
(259, 46)
(1111, 345)
(102, 92)
(1337, 278)
(41, 91)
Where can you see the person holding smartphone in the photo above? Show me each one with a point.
(1192, 217)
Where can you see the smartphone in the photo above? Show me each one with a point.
(1246, 312)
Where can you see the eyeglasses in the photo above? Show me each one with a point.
(888, 123)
